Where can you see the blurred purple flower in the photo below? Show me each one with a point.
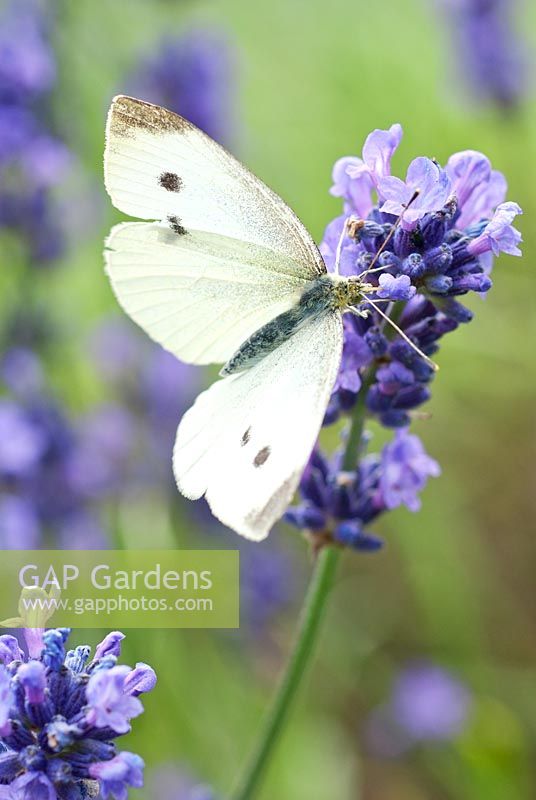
(194, 76)
(19, 524)
(492, 53)
(21, 371)
(97, 465)
(427, 704)
(268, 584)
(176, 783)
(156, 387)
(26, 62)
(81, 530)
(116, 348)
(32, 159)
(22, 441)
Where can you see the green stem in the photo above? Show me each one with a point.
(311, 616)
(307, 633)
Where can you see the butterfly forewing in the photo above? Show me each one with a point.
(159, 166)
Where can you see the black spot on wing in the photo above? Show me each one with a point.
(246, 437)
(170, 181)
(261, 457)
(177, 226)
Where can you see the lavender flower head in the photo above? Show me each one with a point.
(60, 713)
(194, 76)
(431, 238)
(491, 53)
(427, 704)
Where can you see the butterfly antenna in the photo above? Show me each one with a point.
(401, 333)
(389, 235)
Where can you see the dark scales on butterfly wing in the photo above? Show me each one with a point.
(170, 181)
(176, 225)
(261, 457)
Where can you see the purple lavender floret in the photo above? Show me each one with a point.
(60, 713)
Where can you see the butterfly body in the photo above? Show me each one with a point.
(326, 294)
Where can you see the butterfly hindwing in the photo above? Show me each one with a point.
(246, 440)
(199, 294)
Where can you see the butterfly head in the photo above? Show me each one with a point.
(351, 291)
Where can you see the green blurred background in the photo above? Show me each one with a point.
(455, 583)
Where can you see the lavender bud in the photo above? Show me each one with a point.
(395, 419)
(414, 266)
(438, 259)
(376, 341)
(438, 284)
(472, 283)
(32, 677)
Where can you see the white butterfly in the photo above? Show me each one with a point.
(227, 273)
